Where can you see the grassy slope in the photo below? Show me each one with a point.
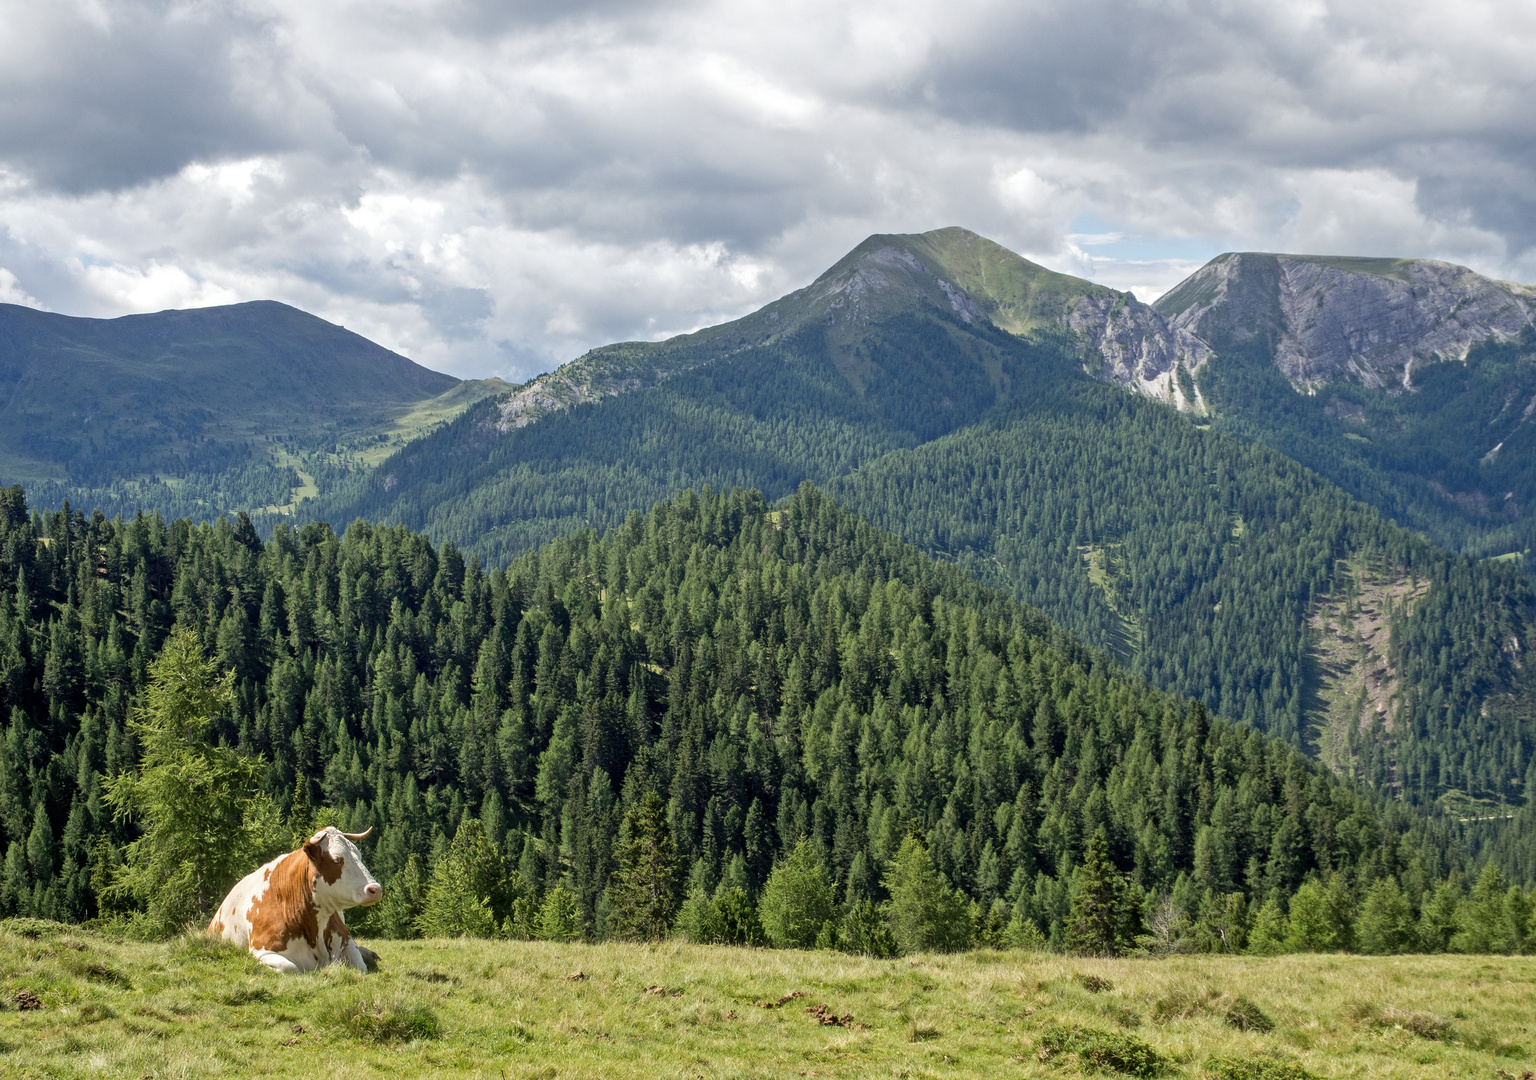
(78, 390)
(509, 1009)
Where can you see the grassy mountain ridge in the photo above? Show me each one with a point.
(203, 411)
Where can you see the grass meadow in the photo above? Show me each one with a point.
(74, 1003)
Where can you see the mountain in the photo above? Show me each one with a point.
(969, 279)
(1327, 318)
(1212, 566)
(1408, 382)
(210, 409)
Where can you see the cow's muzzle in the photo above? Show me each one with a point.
(372, 893)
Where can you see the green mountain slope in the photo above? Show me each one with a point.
(883, 351)
(204, 411)
(1225, 571)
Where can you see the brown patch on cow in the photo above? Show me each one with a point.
(216, 928)
(286, 910)
(337, 927)
(326, 864)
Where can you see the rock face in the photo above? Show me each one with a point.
(1140, 350)
(1373, 321)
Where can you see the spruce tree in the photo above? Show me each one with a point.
(642, 895)
(1095, 927)
(466, 888)
(559, 918)
(1270, 930)
(1385, 924)
(396, 914)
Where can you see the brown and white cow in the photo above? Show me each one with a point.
(288, 912)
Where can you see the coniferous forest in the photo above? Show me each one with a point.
(750, 712)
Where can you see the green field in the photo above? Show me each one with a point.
(101, 1007)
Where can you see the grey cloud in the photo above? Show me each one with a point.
(594, 133)
(456, 312)
(90, 107)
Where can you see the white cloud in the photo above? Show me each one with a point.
(11, 291)
(494, 188)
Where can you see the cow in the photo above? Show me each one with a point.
(288, 912)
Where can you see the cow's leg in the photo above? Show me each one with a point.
(279, 963)
(352, 957)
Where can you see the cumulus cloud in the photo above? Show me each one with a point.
(492, 188)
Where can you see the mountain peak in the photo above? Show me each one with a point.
(950, 270)
(1371, 320)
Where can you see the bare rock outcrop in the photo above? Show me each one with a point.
(1373, 321)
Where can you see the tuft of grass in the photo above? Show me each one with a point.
(1423, 1024)
(1094, 984)
(1246, 1016)
(395, 1019)
(1123, 1015)
(1097, 1050)
(247, 995)
(199, 947)
(918, 1028)
(1182, 1003)
(1186, 1002)
(1255, 1069)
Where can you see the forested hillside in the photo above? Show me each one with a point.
(1454, 458)
(1197, 559)
(1213, 567)
(1200, 560)
(766, 416)
(770, 675)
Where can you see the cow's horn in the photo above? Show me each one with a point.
(356, 836)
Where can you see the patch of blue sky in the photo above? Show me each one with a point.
(1099, 240)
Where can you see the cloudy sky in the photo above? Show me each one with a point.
(492, 188)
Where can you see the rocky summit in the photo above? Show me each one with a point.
(1371, 321)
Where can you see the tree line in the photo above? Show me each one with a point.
(756, 690)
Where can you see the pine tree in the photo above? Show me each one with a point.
(1270, 930)
(395, 915)
(466, 888)
(1437, 919)
(1481, 918)
(797, 901)
(926, 914)
(198, 802)
(1385, 924)
(1095, 925)
(642, 895)
(1311, 927)
(559, 918)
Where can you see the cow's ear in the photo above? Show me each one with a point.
(312, 849)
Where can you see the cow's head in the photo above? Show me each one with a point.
(341, 879)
